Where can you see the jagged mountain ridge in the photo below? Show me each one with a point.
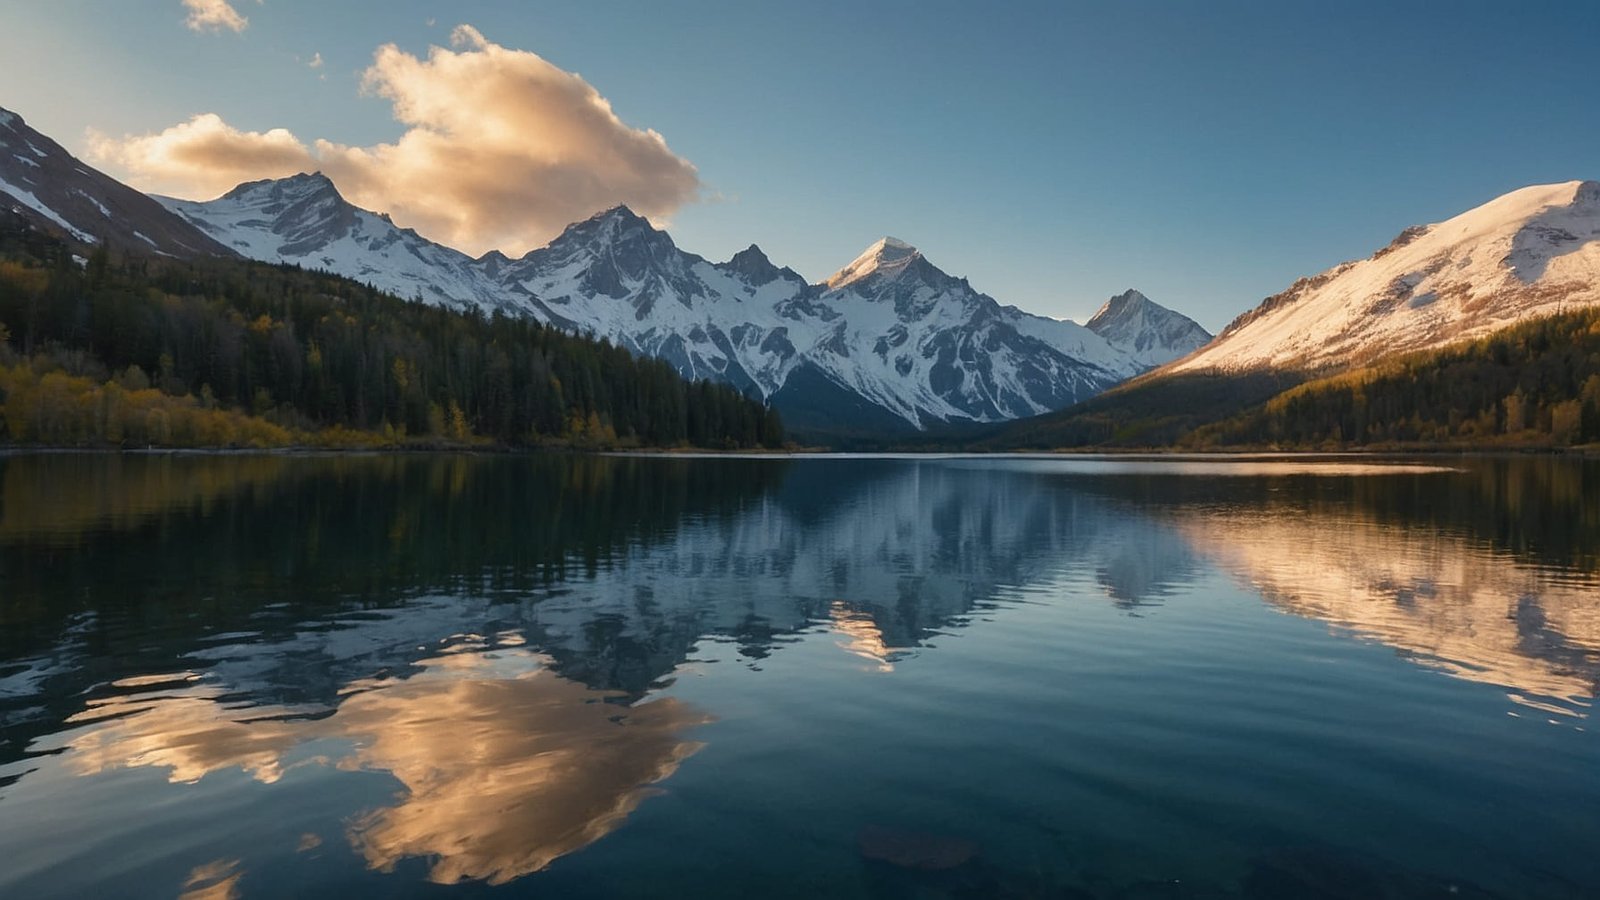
(889, 342)
(891, 328)
(304, 220)
(1528, 253)
(52, 189)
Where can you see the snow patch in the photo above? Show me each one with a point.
(97, 204)
(26, 198)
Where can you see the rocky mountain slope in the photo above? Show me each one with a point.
(52, 189)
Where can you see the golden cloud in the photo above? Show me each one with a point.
(504, 776)
(204, 156)
(502, 149)
(213, 15)
(217, 880)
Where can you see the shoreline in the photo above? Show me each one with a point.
(1246, 455)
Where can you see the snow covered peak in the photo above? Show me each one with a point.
(1526, 253)
(616, 253)
(608, 227)
(891, 248)
(299, 216)
(1122, 304)
(887, 255)
(1146, 330)
(303, 220)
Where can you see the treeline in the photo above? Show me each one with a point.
(1534, 384)
(97, 351)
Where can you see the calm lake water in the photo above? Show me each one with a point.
(552, 676)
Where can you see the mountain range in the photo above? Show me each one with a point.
(888, 345)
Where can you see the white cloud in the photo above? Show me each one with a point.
(316, 60)
(214, 15)
(502, 149)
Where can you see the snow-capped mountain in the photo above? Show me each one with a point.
(303, 220)
(1147, 331)
(52, 189)
(889, 342)
(889, 328)
(1528, 253)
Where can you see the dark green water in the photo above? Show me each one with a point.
(272, 676)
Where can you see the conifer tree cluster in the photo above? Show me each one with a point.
(1534, 384)
(296, 353)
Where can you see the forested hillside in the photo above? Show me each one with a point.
(1146, 412)
(1532, 385)
(137, 351)
(1535, 384)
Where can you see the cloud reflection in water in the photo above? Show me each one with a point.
(505, 765)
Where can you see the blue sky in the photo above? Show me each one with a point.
(1055, 153)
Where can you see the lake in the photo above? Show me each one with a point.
(584, 676)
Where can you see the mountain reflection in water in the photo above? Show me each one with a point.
(502, 637)
(1439, 599)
